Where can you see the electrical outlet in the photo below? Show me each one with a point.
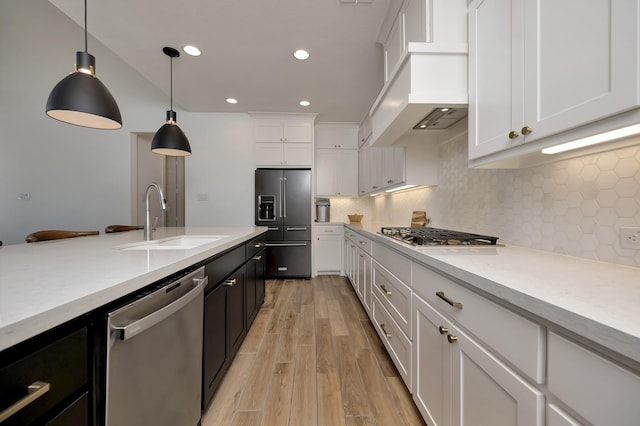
(630, 237)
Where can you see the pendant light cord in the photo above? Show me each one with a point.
(85, 26)
(170, 83)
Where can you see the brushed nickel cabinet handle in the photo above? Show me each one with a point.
(441, 295)
(443, 330)
(387, 292)
(258, 245)
(34, 391)
(451, 338)
(231, 283)
(259, 257)
(384, 330)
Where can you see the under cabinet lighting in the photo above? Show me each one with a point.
(594, 140)
(400, 188)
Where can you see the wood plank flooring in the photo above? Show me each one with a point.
(312, 358)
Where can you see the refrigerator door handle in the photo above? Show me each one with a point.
(281, 193)
(285, 245)
(284, 198)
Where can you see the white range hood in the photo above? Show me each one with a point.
(425, 75)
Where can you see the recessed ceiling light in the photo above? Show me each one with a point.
(305, 103)
(192, 50)
(301, 54)
(232, 101)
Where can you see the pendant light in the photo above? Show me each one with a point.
(80, 98)
(170, 139)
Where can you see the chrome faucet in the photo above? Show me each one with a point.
(163, 206)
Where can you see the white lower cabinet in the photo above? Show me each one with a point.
(328, 242)
(365, 278)
(602, 392)
(458, 382)
(556, 416)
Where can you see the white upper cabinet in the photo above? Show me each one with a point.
(337, 136)
(539, 69)
(283, 140)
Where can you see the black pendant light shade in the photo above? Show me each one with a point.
(170, 139)
(81, 99)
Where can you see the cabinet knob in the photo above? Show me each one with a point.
(526, 130)
(451, 338)
(390, 181)
(513, 134)
(443, 330)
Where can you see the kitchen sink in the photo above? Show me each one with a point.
(182, 242)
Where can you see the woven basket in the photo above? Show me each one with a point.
(355, 217)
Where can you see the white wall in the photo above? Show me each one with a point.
(80, 178)
(221, 169)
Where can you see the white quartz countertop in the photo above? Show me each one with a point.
(45, 284)
(595, 300)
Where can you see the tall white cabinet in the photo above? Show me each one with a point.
(538, 69)
(337, 159)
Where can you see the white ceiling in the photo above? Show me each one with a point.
(247, 50)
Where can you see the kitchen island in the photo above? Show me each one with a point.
(43, 285)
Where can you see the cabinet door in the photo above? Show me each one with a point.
(267, 130)
(495, 74)
(347, 173)
(215, 342)
(297, 131)
(375, 169)
(364, 279)
(236, 310)
(581, 63)
(431, 364)
(363, 170)
(326, 172)
(487, 392)
(269, 154)
(297, 155)
(328, 252)
(393, 165)
(556, 416)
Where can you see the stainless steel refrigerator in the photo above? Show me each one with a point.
(283, 203)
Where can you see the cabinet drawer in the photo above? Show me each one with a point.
(396, 263)
(394, 295)
(517, 339)
(596, 388)
(328, 230)
(397, 344)
(221, 267)
(254, 246)
(62, 364)
(360, 241)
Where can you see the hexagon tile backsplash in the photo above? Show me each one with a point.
(573, 207)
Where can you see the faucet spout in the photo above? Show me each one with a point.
(147, 219)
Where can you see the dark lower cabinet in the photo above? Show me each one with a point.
(232, 300)
(57, 363)
(256, 268)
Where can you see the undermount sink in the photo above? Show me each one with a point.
(182, 242)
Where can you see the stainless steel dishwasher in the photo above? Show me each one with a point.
(154, 356)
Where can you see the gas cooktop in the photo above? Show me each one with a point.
(427, 236)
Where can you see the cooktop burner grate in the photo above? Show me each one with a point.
(434, 236)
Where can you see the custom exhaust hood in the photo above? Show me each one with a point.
(425, 53)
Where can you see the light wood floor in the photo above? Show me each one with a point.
(312, 358)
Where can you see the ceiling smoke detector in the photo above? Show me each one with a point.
(441, 118)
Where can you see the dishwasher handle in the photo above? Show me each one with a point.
(131, 330)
